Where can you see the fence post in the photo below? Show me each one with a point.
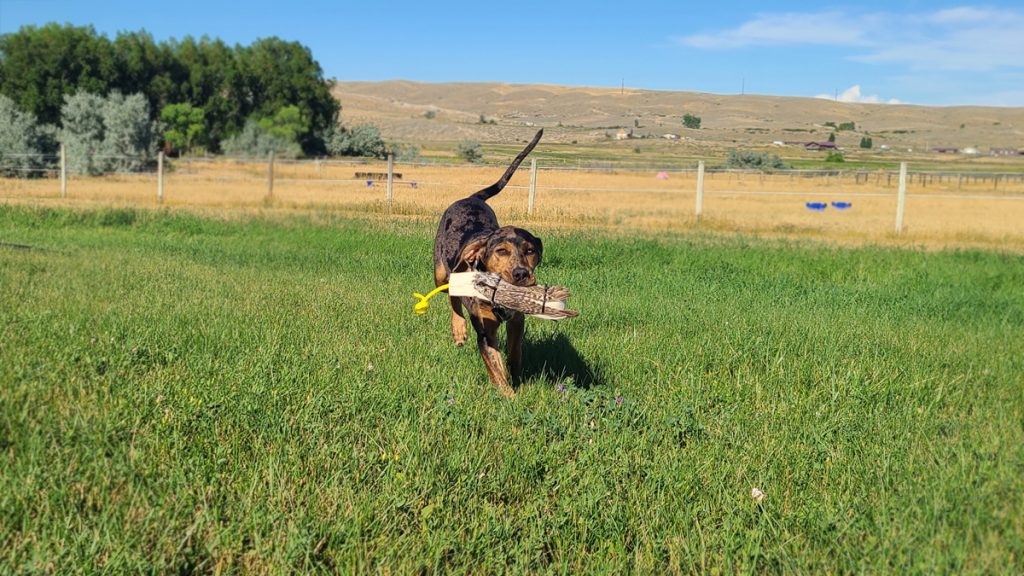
(901, 197)
(391, 177)
(700, 189)
(533, 186)
(270, 177)
(160, 177)
(63, 173)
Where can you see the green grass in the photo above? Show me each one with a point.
(180, 394)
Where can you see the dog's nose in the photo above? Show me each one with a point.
(520, 274)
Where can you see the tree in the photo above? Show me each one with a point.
(832, 137)
(24, 145)
(184, 127)
(469, 151)
(287, 123)
(835, 157)
(279, 74)
(866, 142)
(691, 121)
(39, 66)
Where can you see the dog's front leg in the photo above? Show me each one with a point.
(487, 341)
(458, 321)
(516, 327)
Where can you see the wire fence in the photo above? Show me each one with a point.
(854, 202)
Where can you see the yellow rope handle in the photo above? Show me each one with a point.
(421, 306)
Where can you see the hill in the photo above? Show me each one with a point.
(506, 113)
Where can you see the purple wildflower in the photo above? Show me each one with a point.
(561, 388)
(451, 401)
(619, 400)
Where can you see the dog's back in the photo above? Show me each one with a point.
(471, 218)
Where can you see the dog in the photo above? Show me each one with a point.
(469, 238)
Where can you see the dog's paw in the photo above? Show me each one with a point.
(459, 330)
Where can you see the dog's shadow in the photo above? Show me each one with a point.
(555, 358)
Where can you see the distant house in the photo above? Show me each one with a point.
(1004, 152)
(624, 134)
(971, 151)
(814, 146)
(945, 150)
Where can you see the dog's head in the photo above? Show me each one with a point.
(512, 253)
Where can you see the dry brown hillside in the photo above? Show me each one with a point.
(423, 112)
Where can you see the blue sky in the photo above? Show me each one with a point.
(932, 53)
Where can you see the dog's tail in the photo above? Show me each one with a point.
(493, 189)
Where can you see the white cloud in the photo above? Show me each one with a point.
(828, 28)
(853, 94)
(964, 38)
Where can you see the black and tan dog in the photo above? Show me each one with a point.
(469, 238)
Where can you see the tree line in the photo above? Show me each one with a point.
(196, 93)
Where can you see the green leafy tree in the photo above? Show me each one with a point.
(278, 74)
(691, 121)
(835, 157)
(184, 127)
(286, 123)
(832, 137)
(866, 142)
(39, 66)
(846, 126)
(469, 151)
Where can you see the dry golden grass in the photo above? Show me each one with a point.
(938, 214)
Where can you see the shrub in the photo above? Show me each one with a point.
(128, 144)
(835, 157)
(846, 126)
(745, 159)
(691, 121)
(254, 142)
(430, 114)
(82, 133)
(24, 145)
(362, 140)
(469, 151)
(405, 152)
(109, 134)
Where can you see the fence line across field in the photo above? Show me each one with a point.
(391, 180)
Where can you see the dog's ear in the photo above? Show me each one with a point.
(540, 249)
(471, 253)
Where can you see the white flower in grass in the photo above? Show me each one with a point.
(369, 367)
(757, 495)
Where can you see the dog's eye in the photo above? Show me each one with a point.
(530, 251)
(502, 252)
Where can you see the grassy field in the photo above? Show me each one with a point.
(253, 394)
